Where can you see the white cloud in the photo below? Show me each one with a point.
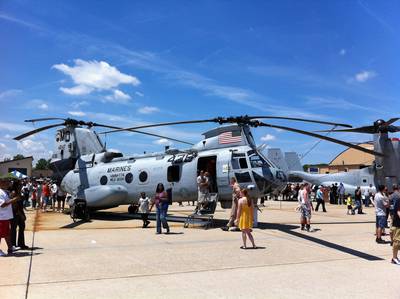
(363, 76)
(3, 147)
(19, 21)
(337, 103)
(138, 93)
(77, 105)
(9, 93)
(77, 113)
(118, 97)
(148, 110)
(4, 157)
(28, 145)
(92, 76)
(37, 149)
(77, 90)
(37, 104)
(7, 136)
(268, 137)
(13, 127)
(43, 106)
(342, 52)
(162, 141)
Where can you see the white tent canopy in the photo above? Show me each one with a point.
(18, 175)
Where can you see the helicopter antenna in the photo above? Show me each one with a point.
(315, 145)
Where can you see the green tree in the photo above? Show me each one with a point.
(18, 157)
(42, 164)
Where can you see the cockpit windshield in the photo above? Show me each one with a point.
(256, 160)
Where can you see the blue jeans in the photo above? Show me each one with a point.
(161, 214)
(366, 201)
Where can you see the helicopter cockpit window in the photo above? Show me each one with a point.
(239, 161)
(173, 173)
(256, 161)
(243, 177)
(243, 163)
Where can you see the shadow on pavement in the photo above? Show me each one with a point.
(289, 229)
(219, 223)
(23, 253)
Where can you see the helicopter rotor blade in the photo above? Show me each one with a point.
(141, 132)
(223, 120)
(365, 130)
(22, 136)
(165, 124)
(43, 119)
(302, 120)
(357, 147)
(390, 121)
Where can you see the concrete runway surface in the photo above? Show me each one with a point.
(113, 257)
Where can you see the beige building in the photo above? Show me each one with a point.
(24, 166)
(42, 173)
(347, 160)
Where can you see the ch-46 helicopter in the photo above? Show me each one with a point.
(385, 169)
(104, 179)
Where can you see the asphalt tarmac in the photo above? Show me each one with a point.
(113, 257)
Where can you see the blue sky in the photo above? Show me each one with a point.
(134, 62)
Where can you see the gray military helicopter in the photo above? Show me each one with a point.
(98, 178)
(384, 171)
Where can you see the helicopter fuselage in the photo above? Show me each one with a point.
(121, 180)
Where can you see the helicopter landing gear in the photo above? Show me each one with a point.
(79, 211)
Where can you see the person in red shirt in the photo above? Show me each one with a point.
(45, 195)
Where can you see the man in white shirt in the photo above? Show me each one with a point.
(144, 203)
(380, 202)
(54, 190)
(6, 214)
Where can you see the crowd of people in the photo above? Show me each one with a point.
(42, 194)
(16, 196)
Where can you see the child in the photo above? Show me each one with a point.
(349, 205)
(144, 202)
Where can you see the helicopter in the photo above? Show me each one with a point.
(384, 171)
(102, 179)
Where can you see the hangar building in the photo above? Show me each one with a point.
(347, 160)
(24, 166)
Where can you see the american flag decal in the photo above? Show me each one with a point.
(230, 137)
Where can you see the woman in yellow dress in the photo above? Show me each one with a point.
(245, 218)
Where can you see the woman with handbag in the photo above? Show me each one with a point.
(161, 203)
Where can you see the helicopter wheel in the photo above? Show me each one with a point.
(79, 211)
